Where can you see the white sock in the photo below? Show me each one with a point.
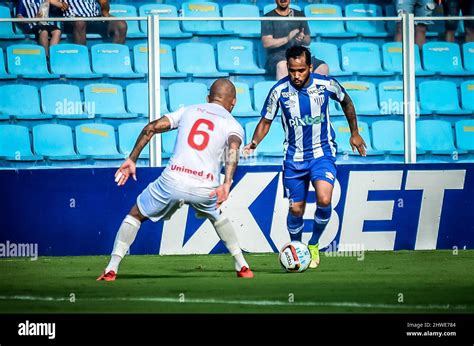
(240, 261)
(226, 232)
(124, 238)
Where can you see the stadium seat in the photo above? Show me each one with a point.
(343, 134)
(443, 58)
(468, 54)
(329, 53)
(22, 102)
(72, 61)
(362, 58)
(364, 96)
(388, 136)
(365, 28)
(15, 144)
(326, 28)
(260, 93)
(243, 107)
(270, 7)
(6, 28)
(198, 59)
(203, 9)
(97, 141)
(29, 61)
(55, 142)
(440, 97)
(467, 95)
(243, 29)
(393, 59)
(63, 101)
(237, 57)
(465, 135)
(436, 136)
(163, 102)
(3, 73)
(167, 69)
(106, 101)
(168, 140)
(272, 144)
(391, 99)
(113, 60)
(168, 29)
(128, 134)
(185, 94)
(133, 28)
(137, 98)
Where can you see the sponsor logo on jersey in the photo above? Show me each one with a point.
(306, 120)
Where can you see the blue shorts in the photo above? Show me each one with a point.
(297, 175)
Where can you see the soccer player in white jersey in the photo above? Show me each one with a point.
(309, 146)
(207, 133)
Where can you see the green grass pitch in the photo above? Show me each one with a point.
(399, 281)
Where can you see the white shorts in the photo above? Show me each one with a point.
(161, 200)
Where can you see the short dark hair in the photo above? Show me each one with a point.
(297, 51)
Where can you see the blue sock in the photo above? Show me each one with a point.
(321, 219)
(295, 226)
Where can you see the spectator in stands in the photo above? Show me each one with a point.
(47, 33)
(421, 8)
(278, 36)
(451, 8)
(117, 30)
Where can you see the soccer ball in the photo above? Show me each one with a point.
(294, 257)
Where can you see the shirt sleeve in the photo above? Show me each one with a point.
(235, 129)
(337, 91)
(175, 117)
(271, 105)
(267, 28)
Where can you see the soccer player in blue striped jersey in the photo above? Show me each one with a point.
(309, 146)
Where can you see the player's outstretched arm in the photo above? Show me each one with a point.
(356, 141)
(260, 132)
(128, 168)
(232, 160)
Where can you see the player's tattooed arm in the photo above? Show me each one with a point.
(356, 141)
(232, 158)
(157, 126)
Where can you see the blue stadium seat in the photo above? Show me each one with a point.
(364, 96)
(388, 136)
(464, 135)
(237, 57)
(260, 93)
(272, 144)
(203, 9)
(443, 58)
(3, 73)
(72, 61)
(168, 140)
(467, 95)
(391, 99)
(133, 28)
(137, 98)
(22, 102)
(185, 94)
(128, 134)
(55, 142)
(167, 69)
(393, 59)
(362, 58)
(343, 134)
(198, 59)
(329, 53)
(63, 101)
(440, 97)
(365, 28)
(243, 29)
(106, 101)
(113, 60)
(468, 54)
(163, 103)
(436, 137)
(168, 29)
(6, 28)
(243, 107)
(326, 28)
(29, 61)
(15, 144)
(270, 7)
(97, 141)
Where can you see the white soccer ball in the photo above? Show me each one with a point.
(294, 257)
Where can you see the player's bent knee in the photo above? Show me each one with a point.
(135, 213)
(324, 201)
(297, 211)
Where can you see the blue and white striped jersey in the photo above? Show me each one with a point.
(305, 116)
(29, 9)
(83, 8)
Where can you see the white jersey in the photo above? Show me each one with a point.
(203, 132)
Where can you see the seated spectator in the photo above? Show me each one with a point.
(451, 8)
(278, 36)
(117, 30)
(43, 31)
(421, 8)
